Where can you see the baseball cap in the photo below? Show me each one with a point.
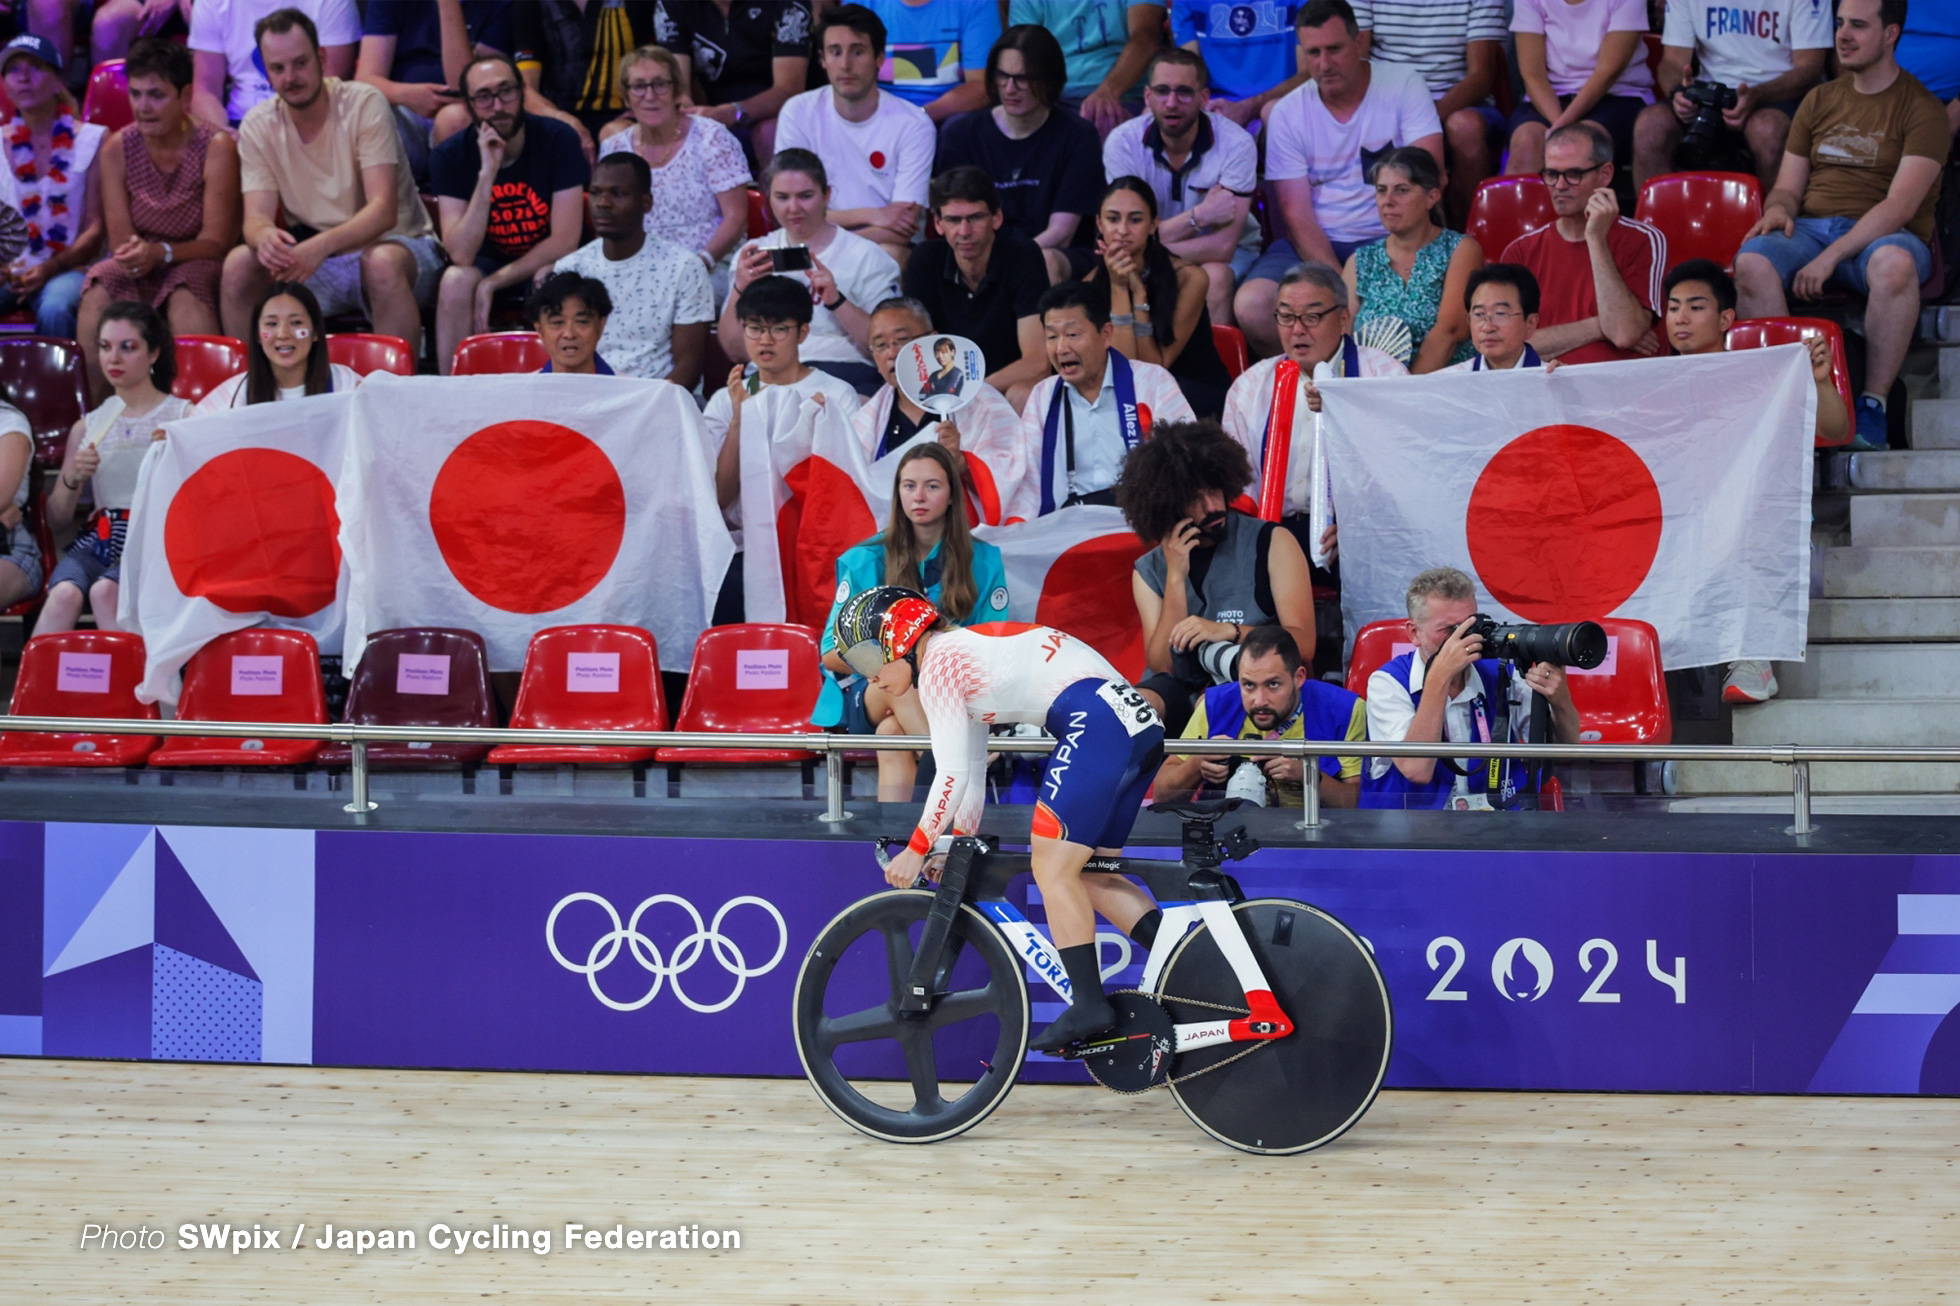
(28, 43)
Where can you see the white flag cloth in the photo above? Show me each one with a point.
(511, 503)
(1000, 463)
(234, 524)
(1674, 491)
(1071, 570)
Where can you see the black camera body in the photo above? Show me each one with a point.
(1579, 644)
(1707, 141)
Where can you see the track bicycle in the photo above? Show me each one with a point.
(1266, 1018)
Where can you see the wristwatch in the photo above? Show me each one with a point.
(840, 301)
(1196, 230)
(169, 254)
(1140, 307)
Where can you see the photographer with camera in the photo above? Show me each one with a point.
(1451, 687)
(1754, 73)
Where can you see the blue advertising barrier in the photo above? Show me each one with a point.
(1697, 972)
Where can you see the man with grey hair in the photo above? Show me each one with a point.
(1599, 274)
(1465, 706)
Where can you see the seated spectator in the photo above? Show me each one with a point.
(938, 52)
(569, 51)
(700, 177)
(1251, 50)
(1458, 47)
(1156, 307)
(285, 355)
(570, 312)
(1274, 697)
(1501, 301)
(54, 185)
(662, 303)
(1929, 49)
(1043, 161)
(106, 449)
(1770, 62)
(1215, 574)
(848, 274)
(230, 76)
(1409, 284)
(1315, 142)
(981, 284)
(877, 147)
(1107, 43)
(118, 24)
(1600, 273)
(1854, 200)
(743, 62)
(1580, 61)
(775, 317)
(926, 547)
(169, 187)
(511, 196)
(21, 565)
(326, 152)
(1203, 168)
(1476, 698)
(414, 57)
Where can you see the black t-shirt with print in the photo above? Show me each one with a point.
(732, 55)
(520, 206)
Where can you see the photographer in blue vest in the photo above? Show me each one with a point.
(1445, 689)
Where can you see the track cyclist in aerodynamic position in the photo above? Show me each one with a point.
(1109, 743)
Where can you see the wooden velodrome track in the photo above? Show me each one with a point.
(1066, 1192)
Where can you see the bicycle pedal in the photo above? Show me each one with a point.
(1134, 1055)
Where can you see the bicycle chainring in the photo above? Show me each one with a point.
(1135, 1055)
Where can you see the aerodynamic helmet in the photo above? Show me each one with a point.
(882, 624)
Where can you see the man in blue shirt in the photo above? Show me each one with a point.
(936, 53)
(1250, 48)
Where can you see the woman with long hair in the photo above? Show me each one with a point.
(1156, 302)
(926, 547)
(286, 357)
(106, 450)
(1409, 285)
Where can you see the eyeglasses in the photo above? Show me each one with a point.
(768, 330)
(881, 345)
(1570, 176)
(1310, 319)
(1018, 81)
(1493, 316)
(654, 86)
(1176, 94)
(491, 97)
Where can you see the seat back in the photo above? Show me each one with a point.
(255, 675)
(107, 98)
(1376, 644)
(1505, 208)
(81, 673)
(755, 677)
(500, 351)
(1758, 332)
(366, 353)
(42, 377)
(1231, 348)
(423, 677)
(1702, 214)
(591, 678)
(761, 220)
(204, 361)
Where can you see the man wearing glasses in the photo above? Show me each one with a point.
(1203, 168)
(1599, 273)
(1502, 300)
(511, 195)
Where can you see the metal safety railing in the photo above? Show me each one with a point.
(1797, 757)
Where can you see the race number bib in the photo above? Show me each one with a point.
(1130, 707)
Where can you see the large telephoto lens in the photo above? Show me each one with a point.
(1579, 644)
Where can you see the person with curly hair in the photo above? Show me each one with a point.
(1215, 574)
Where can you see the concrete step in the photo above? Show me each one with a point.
(1858, 572)
(1865, 621)
(1825, 778)
(1844, 720)
(1872, 671)
(1935, 423)
(1882, 520)
(1914, 469)
(1949, 370)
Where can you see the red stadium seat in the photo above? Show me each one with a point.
(500, 351)
(204, 361)
(367, 353)
(736, 687)
(446, 684)
(1231, 348)
(619, 689)
(280, 672)
(1505, 208)
(761, 220)
(107, 99)
(1372, 647)
(42, 377)
(1702, 214)
(1756, 332)
(94, 687)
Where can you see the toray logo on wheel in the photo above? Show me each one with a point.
(605, 949)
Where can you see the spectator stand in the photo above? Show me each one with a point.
(497, 352)
(421, 677)
(1505, 208)
(80, 673)
(366, 353)
(585, 678)
(107, 98)
(1702, 214)
(754, 678)
(1756, 333)
(1230, 342)
(260, 675)
(204, 361)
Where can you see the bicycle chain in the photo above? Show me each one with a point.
(1170, 1080)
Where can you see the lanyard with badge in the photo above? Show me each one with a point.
(1061, 414)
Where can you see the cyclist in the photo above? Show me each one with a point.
(1109, 745)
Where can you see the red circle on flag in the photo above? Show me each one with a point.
(529, 515)
(1077, 597)
(255, 530)
(877, 158)
(1564, 523)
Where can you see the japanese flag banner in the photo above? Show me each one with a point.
(1071, 570)
(236, 523)
(513, 503)
(1001, 483)
(1674, 491)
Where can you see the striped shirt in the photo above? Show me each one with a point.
(1434, 35)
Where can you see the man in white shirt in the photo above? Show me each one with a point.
(1502, 300)
(1320, 140)
(1097, 407)
(878, 147)
(1203, 168)
(1770, 54)
(662, 300)
(228, 77)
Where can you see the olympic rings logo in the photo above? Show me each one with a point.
(605, 949)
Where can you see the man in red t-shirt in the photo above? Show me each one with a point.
(1600, 273)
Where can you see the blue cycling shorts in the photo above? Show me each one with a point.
(1108, 746)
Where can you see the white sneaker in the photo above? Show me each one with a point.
(1749, 682)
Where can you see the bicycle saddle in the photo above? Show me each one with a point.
(1204, 809)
